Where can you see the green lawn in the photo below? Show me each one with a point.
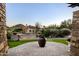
(61, 40)
(13, 43)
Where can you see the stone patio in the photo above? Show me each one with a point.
(32, 49)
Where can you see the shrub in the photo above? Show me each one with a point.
(17, 30)
(46, 32)
(9, 35)
(65, 32)
(56, 32)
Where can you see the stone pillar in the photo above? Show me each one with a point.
(3, 32)
(75, 34)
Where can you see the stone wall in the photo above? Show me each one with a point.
(75, 34)
(3, 37)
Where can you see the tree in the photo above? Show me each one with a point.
(45, 32)
(37, 25)
(69, 24)
(66, 24)
(73, 5)
(54, 26)
(63, 24)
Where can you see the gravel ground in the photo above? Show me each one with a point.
(32, 49)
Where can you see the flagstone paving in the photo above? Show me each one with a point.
(33, 49)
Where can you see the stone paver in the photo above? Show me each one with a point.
(32, 49)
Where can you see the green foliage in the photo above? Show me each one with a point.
(66, 24)
(58, 31)
(46, 33)
(54, 26)
(65, 32)
(9, 35)
(73, 5)
(17, 30)
(55, 32)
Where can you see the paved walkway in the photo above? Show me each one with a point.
(32, 49)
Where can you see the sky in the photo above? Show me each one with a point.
(44, 13)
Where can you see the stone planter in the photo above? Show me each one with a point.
(41, 42)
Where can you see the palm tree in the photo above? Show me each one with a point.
(73, 5)
(37, 25)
